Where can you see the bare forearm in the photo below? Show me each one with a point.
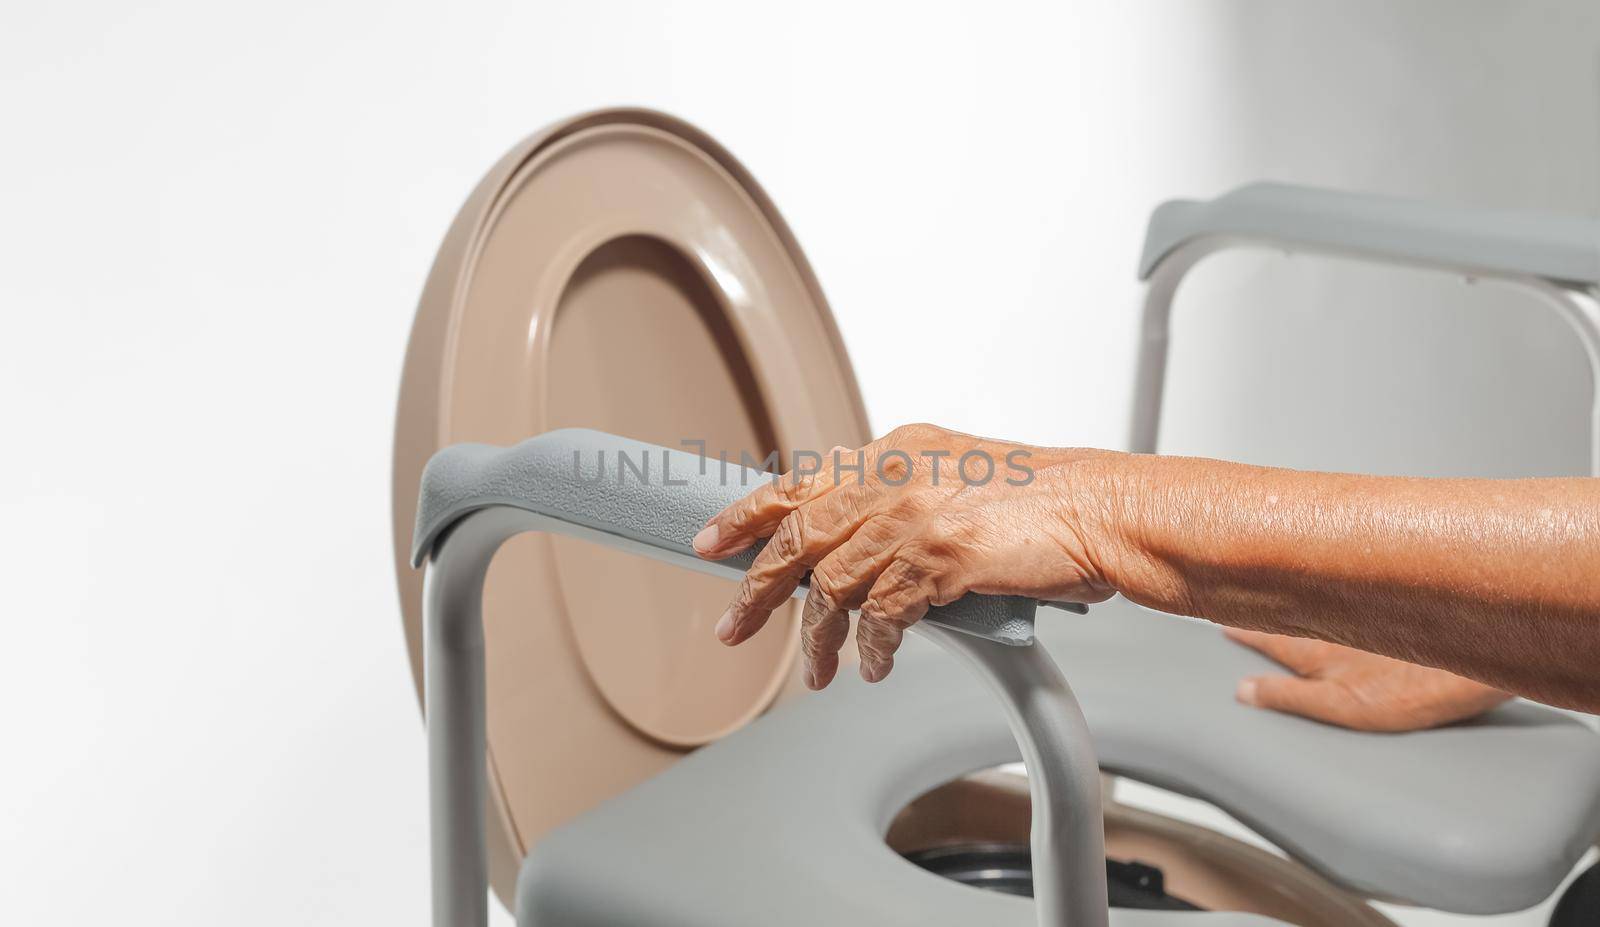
(1498, 580)
(1494, 580)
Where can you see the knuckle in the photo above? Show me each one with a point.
(941, 528)
(796, 487)
(808, 643)
(822, 632)
(743, 602)
(928, 569)
(906, 590)
(943, 591)
(878, 638)
(894, 466)
(869, 645)
(897, 582)
(914, 508)
(738, 518)
(815, 612)
(947, 530)
(745, 598)
(878, 532)
(915, 560)
(885, 610)
(829, 637)
(894, 624)
(826, 586)
(851, 503)
(788, 542)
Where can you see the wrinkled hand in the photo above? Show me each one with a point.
(916, 525)
(1360, 690)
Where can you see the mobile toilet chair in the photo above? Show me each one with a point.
(598, 758)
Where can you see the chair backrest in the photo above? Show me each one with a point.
(1399, 337)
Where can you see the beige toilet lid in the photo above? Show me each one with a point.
(617, 271)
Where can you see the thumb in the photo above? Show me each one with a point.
(1316, 699)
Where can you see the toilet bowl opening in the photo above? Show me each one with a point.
(974, 830)
(1008, 868)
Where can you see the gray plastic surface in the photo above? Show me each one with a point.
(781, 823)
(1552, 247)
(660, 500)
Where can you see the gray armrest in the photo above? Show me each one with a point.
(653, 504)
(1489, 241)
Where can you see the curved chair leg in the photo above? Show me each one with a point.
(453, 668)
(1068, 828)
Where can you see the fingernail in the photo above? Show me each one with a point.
(724, 629)
(809, 675)
(874, 672)
(1246, 692)
(707, 538)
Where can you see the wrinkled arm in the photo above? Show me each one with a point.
(1496, 580)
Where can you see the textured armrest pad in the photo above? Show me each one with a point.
(661, 499)
(1490, 241)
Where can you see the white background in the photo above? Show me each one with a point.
(215, 222)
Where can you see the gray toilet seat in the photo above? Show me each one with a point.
(1485, 817)
(783, 823)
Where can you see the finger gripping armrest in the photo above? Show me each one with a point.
(644, 497)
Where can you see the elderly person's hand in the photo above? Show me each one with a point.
(1491, 580)
(1359, 690)
(918, 518)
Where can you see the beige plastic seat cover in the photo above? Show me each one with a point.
(604, 269)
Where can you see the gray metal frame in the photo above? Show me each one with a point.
(1064, 778)
(1377, 229)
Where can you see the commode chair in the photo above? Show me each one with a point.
(622, 272)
